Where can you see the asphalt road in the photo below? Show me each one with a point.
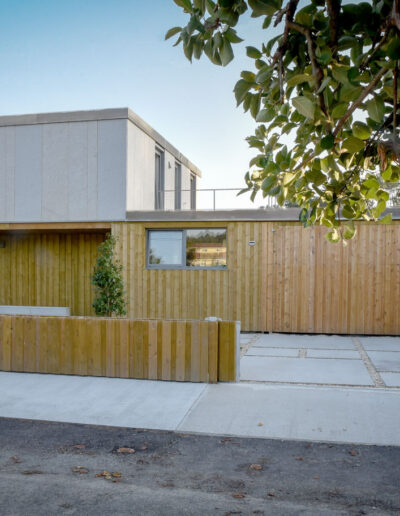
(51, 468)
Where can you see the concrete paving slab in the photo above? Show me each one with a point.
(380, 343)
(391, 379)
(100, 401)
(385, 360)
(272, 352)
(369, 416)
(333, 353)
(310, 370)
(281, 340)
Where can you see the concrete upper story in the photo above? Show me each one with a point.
(84, 166)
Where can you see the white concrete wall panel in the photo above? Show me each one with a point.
(3, 175)
(92, 170)
(7, 173)
(185, 186)
(10, 171)
(111, 166)
(55, 172)
(77, 171)
(28, 172)
(140, 193)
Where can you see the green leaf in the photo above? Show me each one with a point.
(339, 110)
(265, 115)
(305, 106)
(361, 130)
(376, 109)
(253, 52)
(186, 4)
(232, 36)
(387, 174)
(328, 142)
(352, 144)
(349, 231)
(333, 236)
(226, 52)
(172, 32)
(387, 219)
(240, 90)
(299, 78)
(261, 7)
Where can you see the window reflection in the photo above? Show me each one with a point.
(165, 247)
(206, 248)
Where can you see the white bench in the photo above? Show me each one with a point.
(62, 311)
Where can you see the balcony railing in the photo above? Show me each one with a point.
(216, 199)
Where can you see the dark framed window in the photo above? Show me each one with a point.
(196, 248)
(178, 186)
(159, 186)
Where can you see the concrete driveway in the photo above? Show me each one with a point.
(321, 360)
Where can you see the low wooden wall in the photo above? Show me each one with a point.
(193, 351)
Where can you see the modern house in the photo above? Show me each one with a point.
(88, 166)
(68, 179)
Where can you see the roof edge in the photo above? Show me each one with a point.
(97, 115)
(267, 214)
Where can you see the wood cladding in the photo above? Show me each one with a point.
(291, 280)
(195, 351)
(48, 269)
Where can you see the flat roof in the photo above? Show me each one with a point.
(267, 214)
(94, 115)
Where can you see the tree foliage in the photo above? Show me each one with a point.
(325, 95)
(107, 280)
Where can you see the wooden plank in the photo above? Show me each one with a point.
(152, 351)
(204, 351)
(195, 352)
(227, 351)
(180, 351)
(29, 331)
(6, 340)
(17, 355)
(213, 352)
(166, 350)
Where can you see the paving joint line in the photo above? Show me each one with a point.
(249, 344)
(374, 374)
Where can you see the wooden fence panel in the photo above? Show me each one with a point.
(195, 351)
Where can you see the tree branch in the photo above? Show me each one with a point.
(317, 70)
(333, 8)
(360, 99)
(290, 10)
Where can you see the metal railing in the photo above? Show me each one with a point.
(216, 199)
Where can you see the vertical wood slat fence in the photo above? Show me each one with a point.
(193, 351)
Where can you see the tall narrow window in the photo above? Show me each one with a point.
(178, 186)
(159, 180)
(192, 192)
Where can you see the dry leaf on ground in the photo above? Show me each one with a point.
(80, 469)
(126, 450)
(238, 495)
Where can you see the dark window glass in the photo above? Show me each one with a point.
(192, 192)
(178, 186)
(206, 247)
(159, 180)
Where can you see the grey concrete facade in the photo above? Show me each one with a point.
(82, 166)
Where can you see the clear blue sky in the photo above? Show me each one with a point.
(87, 54)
